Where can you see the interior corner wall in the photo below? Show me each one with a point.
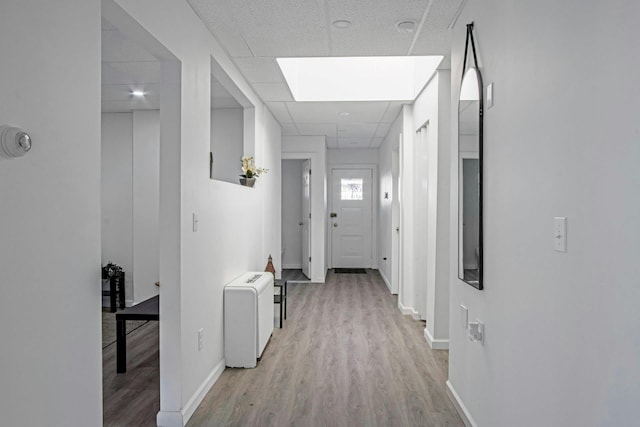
(561, 140)
(146, 204)
(50, 246)
(314, 147)
(227, 144)
(116, 193)
(237, 226)
(292, 213)
(406, 293)
(386, 227)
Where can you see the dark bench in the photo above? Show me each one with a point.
(146, 310)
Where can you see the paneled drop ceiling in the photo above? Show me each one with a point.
(255, 33)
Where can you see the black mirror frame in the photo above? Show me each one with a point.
(480, 283)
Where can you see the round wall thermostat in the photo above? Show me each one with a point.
(14, 142)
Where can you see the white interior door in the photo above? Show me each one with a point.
(351, 218)
(306, 218)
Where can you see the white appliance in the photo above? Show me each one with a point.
(248, 318)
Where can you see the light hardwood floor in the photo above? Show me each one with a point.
(345, 357)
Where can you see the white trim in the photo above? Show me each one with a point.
(408, 311)
(386, 281)
(435, 344)
(291, 266)
(462, 410)
(201, 392)
(169, 419)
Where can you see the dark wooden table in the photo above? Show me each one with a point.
(146, 310)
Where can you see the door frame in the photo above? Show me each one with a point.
(375, 204)
(317, 234)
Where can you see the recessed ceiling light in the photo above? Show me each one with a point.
(341, 24)
(406, 26)
(137, 93)
(343, 113)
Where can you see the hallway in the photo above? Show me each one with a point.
(345, 357)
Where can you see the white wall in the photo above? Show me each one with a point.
(117, 193)
(292, 213)
(227, 143)
(130, 199)
(562, 343)
(343, 156)
(146, 204)
(50, 210)
(314, 148)
(431, 117)
(386, 227)
(238, 226)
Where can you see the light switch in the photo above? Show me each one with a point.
(490, 95)
(464, 316)
(560, 234)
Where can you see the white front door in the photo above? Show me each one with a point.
(351, 218)
(306, 218)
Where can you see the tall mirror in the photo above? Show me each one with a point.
(470, 172)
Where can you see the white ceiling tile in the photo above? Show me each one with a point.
(382, 130)
(218, 18)
(357, 130)
(280, 112)
(332, 142)
(130, 72)
(392, 112)
(123, 92)
(327, 112)
(117, 48)
(289, 129)
(354, 142)
(273, 91)
(260, 70)
(328, 129)
(282, 28)
(376, 142)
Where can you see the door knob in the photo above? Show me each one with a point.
(300, 223)
(335, 224)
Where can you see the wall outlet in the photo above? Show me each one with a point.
(560, 234)
(200, 339)
(476, 331)
(195, 222)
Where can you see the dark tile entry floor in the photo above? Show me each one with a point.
(294, 275)
(350, 271)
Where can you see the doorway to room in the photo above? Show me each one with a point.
(296, 220)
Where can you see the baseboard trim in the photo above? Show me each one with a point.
(384, 278)
(201, 392)
(169, 419)
(408, 311)
(435, 344)
(291, 266)
(462, 410)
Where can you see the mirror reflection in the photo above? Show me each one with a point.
(470, 179)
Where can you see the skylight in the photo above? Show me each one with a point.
(370, 78)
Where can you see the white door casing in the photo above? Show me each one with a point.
(351, 228)
(306, 218)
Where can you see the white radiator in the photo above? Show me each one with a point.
(248, 318)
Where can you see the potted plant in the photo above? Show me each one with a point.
(250, 171)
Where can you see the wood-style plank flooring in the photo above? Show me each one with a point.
(345, 357)
(133, 398)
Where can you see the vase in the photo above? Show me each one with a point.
(247, 182)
